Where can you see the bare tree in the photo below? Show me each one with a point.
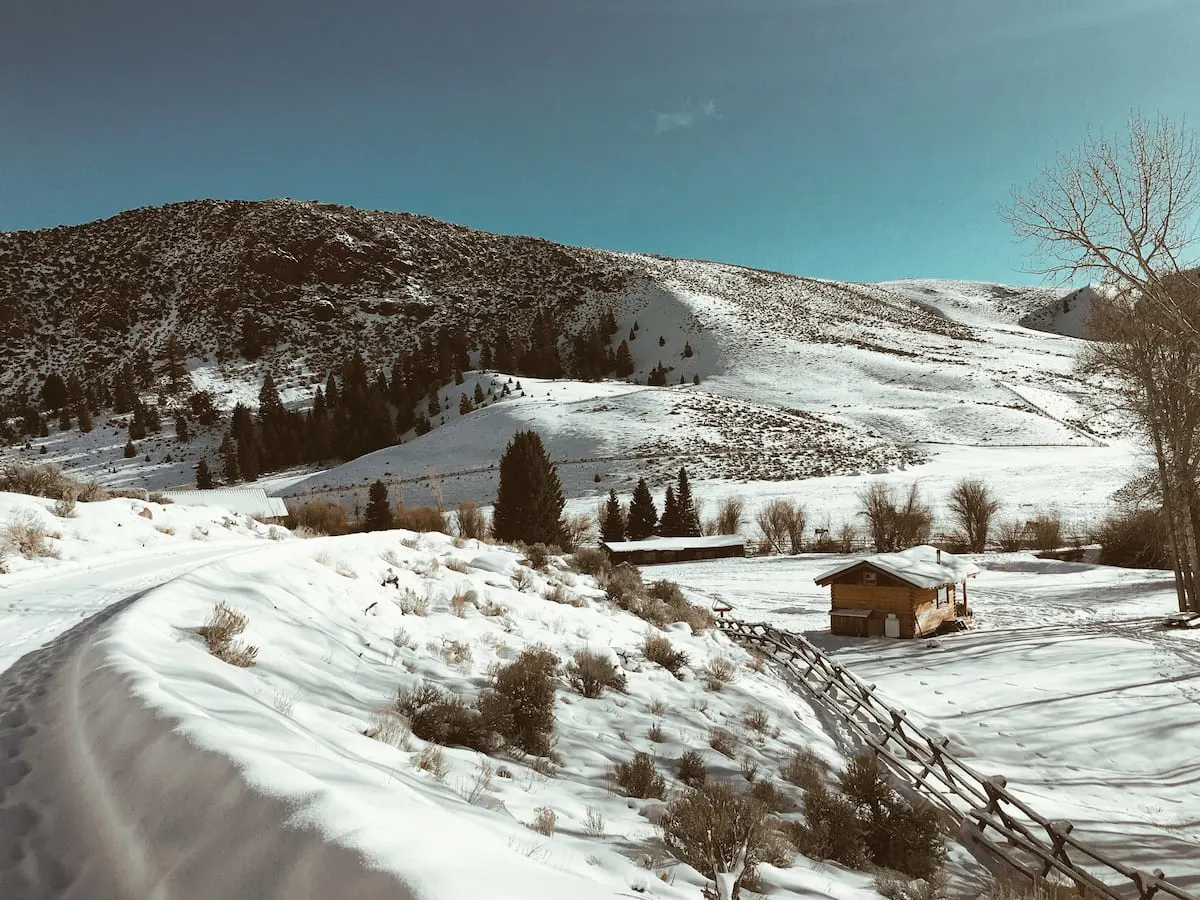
(896, 521)
(470, 521)
(731, 515)
(782, 525)
(1123, 212)
(973, 505)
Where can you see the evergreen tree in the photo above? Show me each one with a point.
(643, 514)
(479, 396)
(130, 451)
(613, 527)
(433, 405)
(687, 350)
(464, 405)
(624, 360)
(229, 460)
(529, 502)
(270, 406)
(670, 525)
(54, 392)
(378, 514)
(689, 519)
(247, 457)
(181, 428)
(64, 419)
(84, 415)
(204, 479)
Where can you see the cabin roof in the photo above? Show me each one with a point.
(918, 566)
(247, 501)
(676, 543)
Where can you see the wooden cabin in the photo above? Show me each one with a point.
(904, 595)
(674, 549)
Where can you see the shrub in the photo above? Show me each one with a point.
(692, 771)
(719, 672)
(1045, 530)
(319, 517)
(758, 720)
(1136, 540)
(1011, 536)
(223, 625)
(46, 480)
(413, 605)
(590, 673)
(24, 534)
(640, 778)
(803, 769)
(64, 507)
(593, 825)
(437, 716)
(898, 834)
(433, 760)
(624, 586)
(724, 742)
(420, 518)
(716, 830)
(520, 705)
(558, 593)
(830, 830)
(895, 887)
(537, 556)
(766, 793)
(470, 522)
(545, 821)
(591, 561)
(658, 649)
(577, 531)
(656, 733)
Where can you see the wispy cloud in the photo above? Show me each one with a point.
(684, 118)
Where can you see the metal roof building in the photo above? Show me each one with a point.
(248, 501)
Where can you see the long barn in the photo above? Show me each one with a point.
(675, 549)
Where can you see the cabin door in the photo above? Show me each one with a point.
(891, 627)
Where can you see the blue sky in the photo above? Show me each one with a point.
(853, 139)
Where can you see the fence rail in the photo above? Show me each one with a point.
(1001, 824)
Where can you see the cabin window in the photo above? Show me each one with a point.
(868, 577)
(943, 596)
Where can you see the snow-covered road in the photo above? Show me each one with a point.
(102, 798)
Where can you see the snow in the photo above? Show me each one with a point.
(922, 566)
(124, 732)
(677, 543)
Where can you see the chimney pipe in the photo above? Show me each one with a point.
(939, 556)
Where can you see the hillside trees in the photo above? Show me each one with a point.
(378, 513)
(529, 501)
(612, 520)
(1122, 211)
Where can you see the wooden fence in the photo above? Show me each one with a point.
(989, 815)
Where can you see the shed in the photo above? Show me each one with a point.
(242, 500)
(674, 549)
(907, 594)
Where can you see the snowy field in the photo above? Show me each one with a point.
(1068, 686)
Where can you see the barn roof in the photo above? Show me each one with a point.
(247, 501)
(922, 566)
(676, 543)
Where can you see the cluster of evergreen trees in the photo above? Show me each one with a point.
(641, 519)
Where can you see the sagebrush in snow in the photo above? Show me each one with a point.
(658, 649)
(224, 624)
(590, 673)
(25, 535)
(639, 777)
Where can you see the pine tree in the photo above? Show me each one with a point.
(247, 457)
(464, 405)
(64, 419)
(689, 519)
(433, 405)
(687, 350)
(643, 514)
(54, 391)
(479, 395)
(378, 514)
(204, 479)
(229, 460)
(84, 415)
(612, 529)
(130, 450)
(670, 525)
(624, 360)
(529, 502)
(181, 428)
